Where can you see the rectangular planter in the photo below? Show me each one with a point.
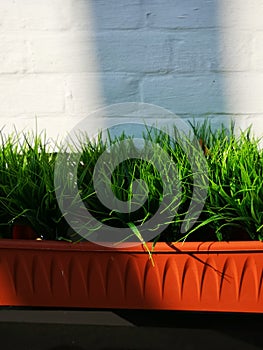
(210, 276)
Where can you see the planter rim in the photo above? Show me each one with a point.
(160, 247)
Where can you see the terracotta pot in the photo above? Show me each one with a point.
(207, 276)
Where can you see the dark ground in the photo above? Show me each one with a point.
(27, 329)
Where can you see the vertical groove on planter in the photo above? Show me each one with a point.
(41, 267)
(23, 275)
(229, 284)
(96, 279)
(29, 273)
(11, 273)
(15, 274)
(59, 278)
(183, 279)
(209, 279)
(108, 276)
(248, 276)
(190, 281)
(77, 281)
(115, 289)
(51, 272)
(171, 281)
(35, 266)
(133, 281)
(152, 288)
(87, 277)
(73, 270)
(260, 286)
(7, 279)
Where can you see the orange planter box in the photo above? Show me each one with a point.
(210, 276)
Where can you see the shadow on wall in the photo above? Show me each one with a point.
(164, 53)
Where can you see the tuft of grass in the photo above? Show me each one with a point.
(233, 209)
(26, 183)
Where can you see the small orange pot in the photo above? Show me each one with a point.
(210, 276)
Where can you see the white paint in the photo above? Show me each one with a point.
(62, 59)
(47, 66)
(241, 50)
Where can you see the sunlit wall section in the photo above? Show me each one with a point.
(241, 53)
(47, 65)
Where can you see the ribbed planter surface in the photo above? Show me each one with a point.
(207, 276)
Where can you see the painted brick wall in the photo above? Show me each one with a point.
(62, 59)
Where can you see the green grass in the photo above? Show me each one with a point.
(26, 184)
(233, 209)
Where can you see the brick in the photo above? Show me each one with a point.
(13, 53)
(83, 94)
(185, 94)
(215, 93)
(133, 51)
(110, 14)
(257, 51)
(234, 50)
(62, 52)
(244, 92)
(31, 94)
(211, 50)
(35, 15)
(173, 14)
(118, 88)
(240, 14)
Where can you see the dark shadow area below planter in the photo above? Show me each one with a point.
(80, 329)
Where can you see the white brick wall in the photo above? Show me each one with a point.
(61, 59)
